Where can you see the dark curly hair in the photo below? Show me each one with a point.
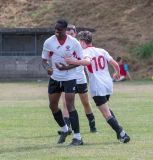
(63, 22)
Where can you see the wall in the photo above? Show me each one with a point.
(27, 68)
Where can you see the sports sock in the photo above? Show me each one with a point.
(114, 124)
(122, 134)
(59, 118)
(65, 128)
(77, 136)
(67, 121)
(91, 120)
(74, 119)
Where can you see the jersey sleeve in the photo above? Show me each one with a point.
(86, 53)
(79, 50)
(46, 51)
(126, 67)
(107, 56)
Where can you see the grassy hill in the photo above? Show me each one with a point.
(119, 24)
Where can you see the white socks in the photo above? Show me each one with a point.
(65, 128)
(77, 136)
(122, 134)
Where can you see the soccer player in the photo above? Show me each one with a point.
(100, 81)
(81, 89)
(56, 48)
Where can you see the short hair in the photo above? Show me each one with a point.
(71, 27)
(85, 36)
(118, 59)
(63, 22)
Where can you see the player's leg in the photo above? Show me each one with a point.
(121, 135)
(69, 88)
(101, 102)
(112, 113)
(121, 79)
(65, 111)
(83, 94)
(65, 114)
(54, 93)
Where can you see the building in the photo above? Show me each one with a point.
(20, 52)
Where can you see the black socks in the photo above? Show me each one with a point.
(74, 119)
(114, 124)
(67, 121)
(91, 120)
(59, 118)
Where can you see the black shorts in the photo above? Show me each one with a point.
(100, 100)
(61, 86)
(81, 88)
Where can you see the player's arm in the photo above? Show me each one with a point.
(62, 66)
(83, 62)
(45, 57)
(128, 73)
(115, 65)
(45, 64)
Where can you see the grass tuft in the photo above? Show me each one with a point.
(144, 51)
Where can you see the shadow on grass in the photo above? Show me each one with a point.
(38, 137)
(24, 149)
(88, 144)
(48, 146)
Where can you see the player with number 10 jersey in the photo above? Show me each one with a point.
(101, 86)
(100, 81)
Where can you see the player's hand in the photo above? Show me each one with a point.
(61, 66)
(68, 60)
(50, 71)
(116, 76)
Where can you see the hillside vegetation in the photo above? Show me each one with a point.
(119, 24)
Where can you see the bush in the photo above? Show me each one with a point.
(144, 51)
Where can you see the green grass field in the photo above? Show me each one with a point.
(29, 132)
